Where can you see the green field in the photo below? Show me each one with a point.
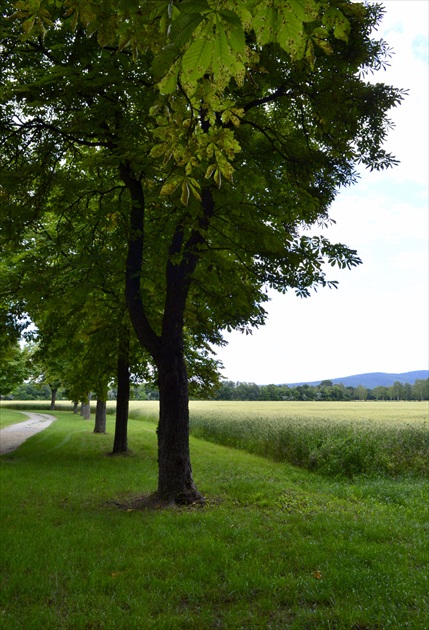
(332, 438)
(275, 547)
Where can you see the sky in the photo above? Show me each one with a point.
(377, 320)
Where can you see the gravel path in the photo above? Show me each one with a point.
(14, 435)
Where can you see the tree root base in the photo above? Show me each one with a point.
(127, 453)
(155, 502)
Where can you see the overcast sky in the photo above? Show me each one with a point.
(377, 321)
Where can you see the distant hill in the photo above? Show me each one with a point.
(372, 379)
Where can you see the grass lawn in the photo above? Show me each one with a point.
(11, 416)
(275, 547)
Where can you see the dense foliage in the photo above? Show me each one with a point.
(325, 391)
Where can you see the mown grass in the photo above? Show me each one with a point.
(10, 416)
(275, 546)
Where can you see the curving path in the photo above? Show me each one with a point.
(14, 435)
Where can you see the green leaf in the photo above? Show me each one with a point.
(231, 18)
(222, 58)
(342, 28)
(171, 184)
(335, 20)
(265, 24)
(168, 84)
(184, 26)
(184, 197)
(210, 170)
(164, 60)
(194, 186)
(237, 39)
(194, 6)
(197, 59)
(158, 150)
(29, 24)
(305, 10)
(290, 33)
(324, 45)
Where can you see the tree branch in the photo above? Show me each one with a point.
(144, 331)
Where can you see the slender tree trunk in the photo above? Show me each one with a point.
(75, 406)
(53, 398)
(86, 408)
(100, 416)
(120, 443)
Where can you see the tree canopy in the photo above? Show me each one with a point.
(186, 146)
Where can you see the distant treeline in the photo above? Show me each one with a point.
(327, 390)
(229, 390)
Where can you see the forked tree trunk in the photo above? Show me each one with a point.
(120, 443)
(100, 416)
(175, 482)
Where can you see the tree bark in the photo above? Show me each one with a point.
(120, 442)
(75, 406)
(175, 482)
(53, 398)
(100, 416)
(86, 408)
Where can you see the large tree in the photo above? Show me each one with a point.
(220, 129)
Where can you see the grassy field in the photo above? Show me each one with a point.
(332, 438)
(275, 547)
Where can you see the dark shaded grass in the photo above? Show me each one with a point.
(275, 546)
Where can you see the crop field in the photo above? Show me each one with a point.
(388, 438)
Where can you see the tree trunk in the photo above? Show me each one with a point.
(100, 416)
(120, 443)
(86, 408)
(175, 482)
(75, 406)
(53, 398)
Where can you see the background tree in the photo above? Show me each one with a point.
(361, 392)
(421, 389)
(13, 366)
(380, 392)
(397, 391)
(14, 360)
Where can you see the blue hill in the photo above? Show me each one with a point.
(372, 379)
